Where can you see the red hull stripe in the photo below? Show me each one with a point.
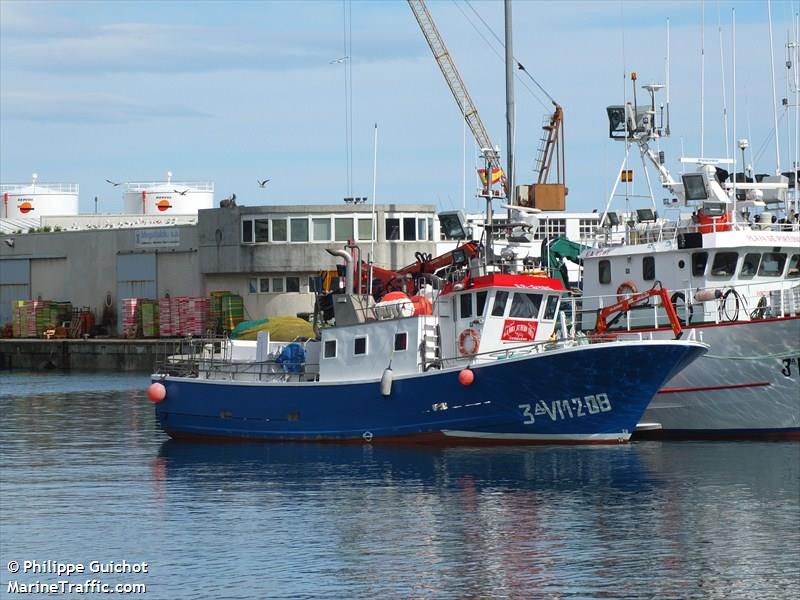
(713, 388)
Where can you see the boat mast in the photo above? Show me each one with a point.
(511, 195)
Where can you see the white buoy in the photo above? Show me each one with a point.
(386, 382)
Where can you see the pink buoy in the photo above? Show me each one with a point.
(466, 377)
(156, 392)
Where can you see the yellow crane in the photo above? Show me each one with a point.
(544, 195)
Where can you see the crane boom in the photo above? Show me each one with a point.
(454, 81)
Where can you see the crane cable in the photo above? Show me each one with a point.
(520, 66)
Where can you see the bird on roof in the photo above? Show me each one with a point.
(115, 184)
(183, 193)
(262, 183)
(339, 60)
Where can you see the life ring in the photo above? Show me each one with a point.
(468, 342)
(625, 290)
(680, 296)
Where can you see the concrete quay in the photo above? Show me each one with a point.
(97, 354)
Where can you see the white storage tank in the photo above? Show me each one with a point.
(34, 200)
(168, 197)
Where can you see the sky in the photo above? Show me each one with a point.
(235, 92)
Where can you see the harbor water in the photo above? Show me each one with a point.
(87, 478)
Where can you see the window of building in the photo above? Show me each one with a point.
(422, 229)
(551, 308)
(400, 341)
(299, 230)
(329, 351)
(360, 346)
(263, 285)
(315, 284)
(525, 306)
(649, 268)
(549, 228)
(277, 285)
(604, 271)
(292, 284)
(794, 267)
(322, 230)
(247, 231)
(343, 229)
(262, 230)
(465, 302)
(430, 228)
(772, 264)
(499, 307)
(750, 265)
(409, 229)
(480, 297)
(365, 229)
(252, 285)
(392, 229)
(278, 230)
(699, 261)
(587, 227)
(724, 264)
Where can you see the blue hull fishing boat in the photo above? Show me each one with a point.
(474, 359)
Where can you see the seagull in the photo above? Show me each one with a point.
(339, 60)
(183, 193)
(113, 183)
(262, 183)
(10, 242)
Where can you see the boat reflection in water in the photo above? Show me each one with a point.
(652, 519)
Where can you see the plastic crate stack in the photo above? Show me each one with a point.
(130, 317)
(193, 313)
(214, 322)
(232, 311)
(166, 326)
(150, 318)
(19, 320)
(37, 314)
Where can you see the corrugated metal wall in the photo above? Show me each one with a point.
(136, 278)
(49, 279)
(14, 285)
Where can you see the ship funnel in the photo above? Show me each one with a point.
(348, 267)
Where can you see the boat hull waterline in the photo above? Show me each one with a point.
(586, 394)
(746, 387)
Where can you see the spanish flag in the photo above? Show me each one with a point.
(497, 174)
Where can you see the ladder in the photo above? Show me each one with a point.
(430, 344)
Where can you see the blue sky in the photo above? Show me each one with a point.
(233, 92)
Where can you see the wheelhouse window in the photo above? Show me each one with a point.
(772, 264)
(551, 308)
(699, 261)
(499, 307)
(329, 351)
(465, 306)
(360, 346)
(794, 267)
(480, 297)
(724, 264)
(400, 341)
(749, 265)
(604, 271)
(649, 268)
(525, 306)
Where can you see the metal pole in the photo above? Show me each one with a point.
(509, 105)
